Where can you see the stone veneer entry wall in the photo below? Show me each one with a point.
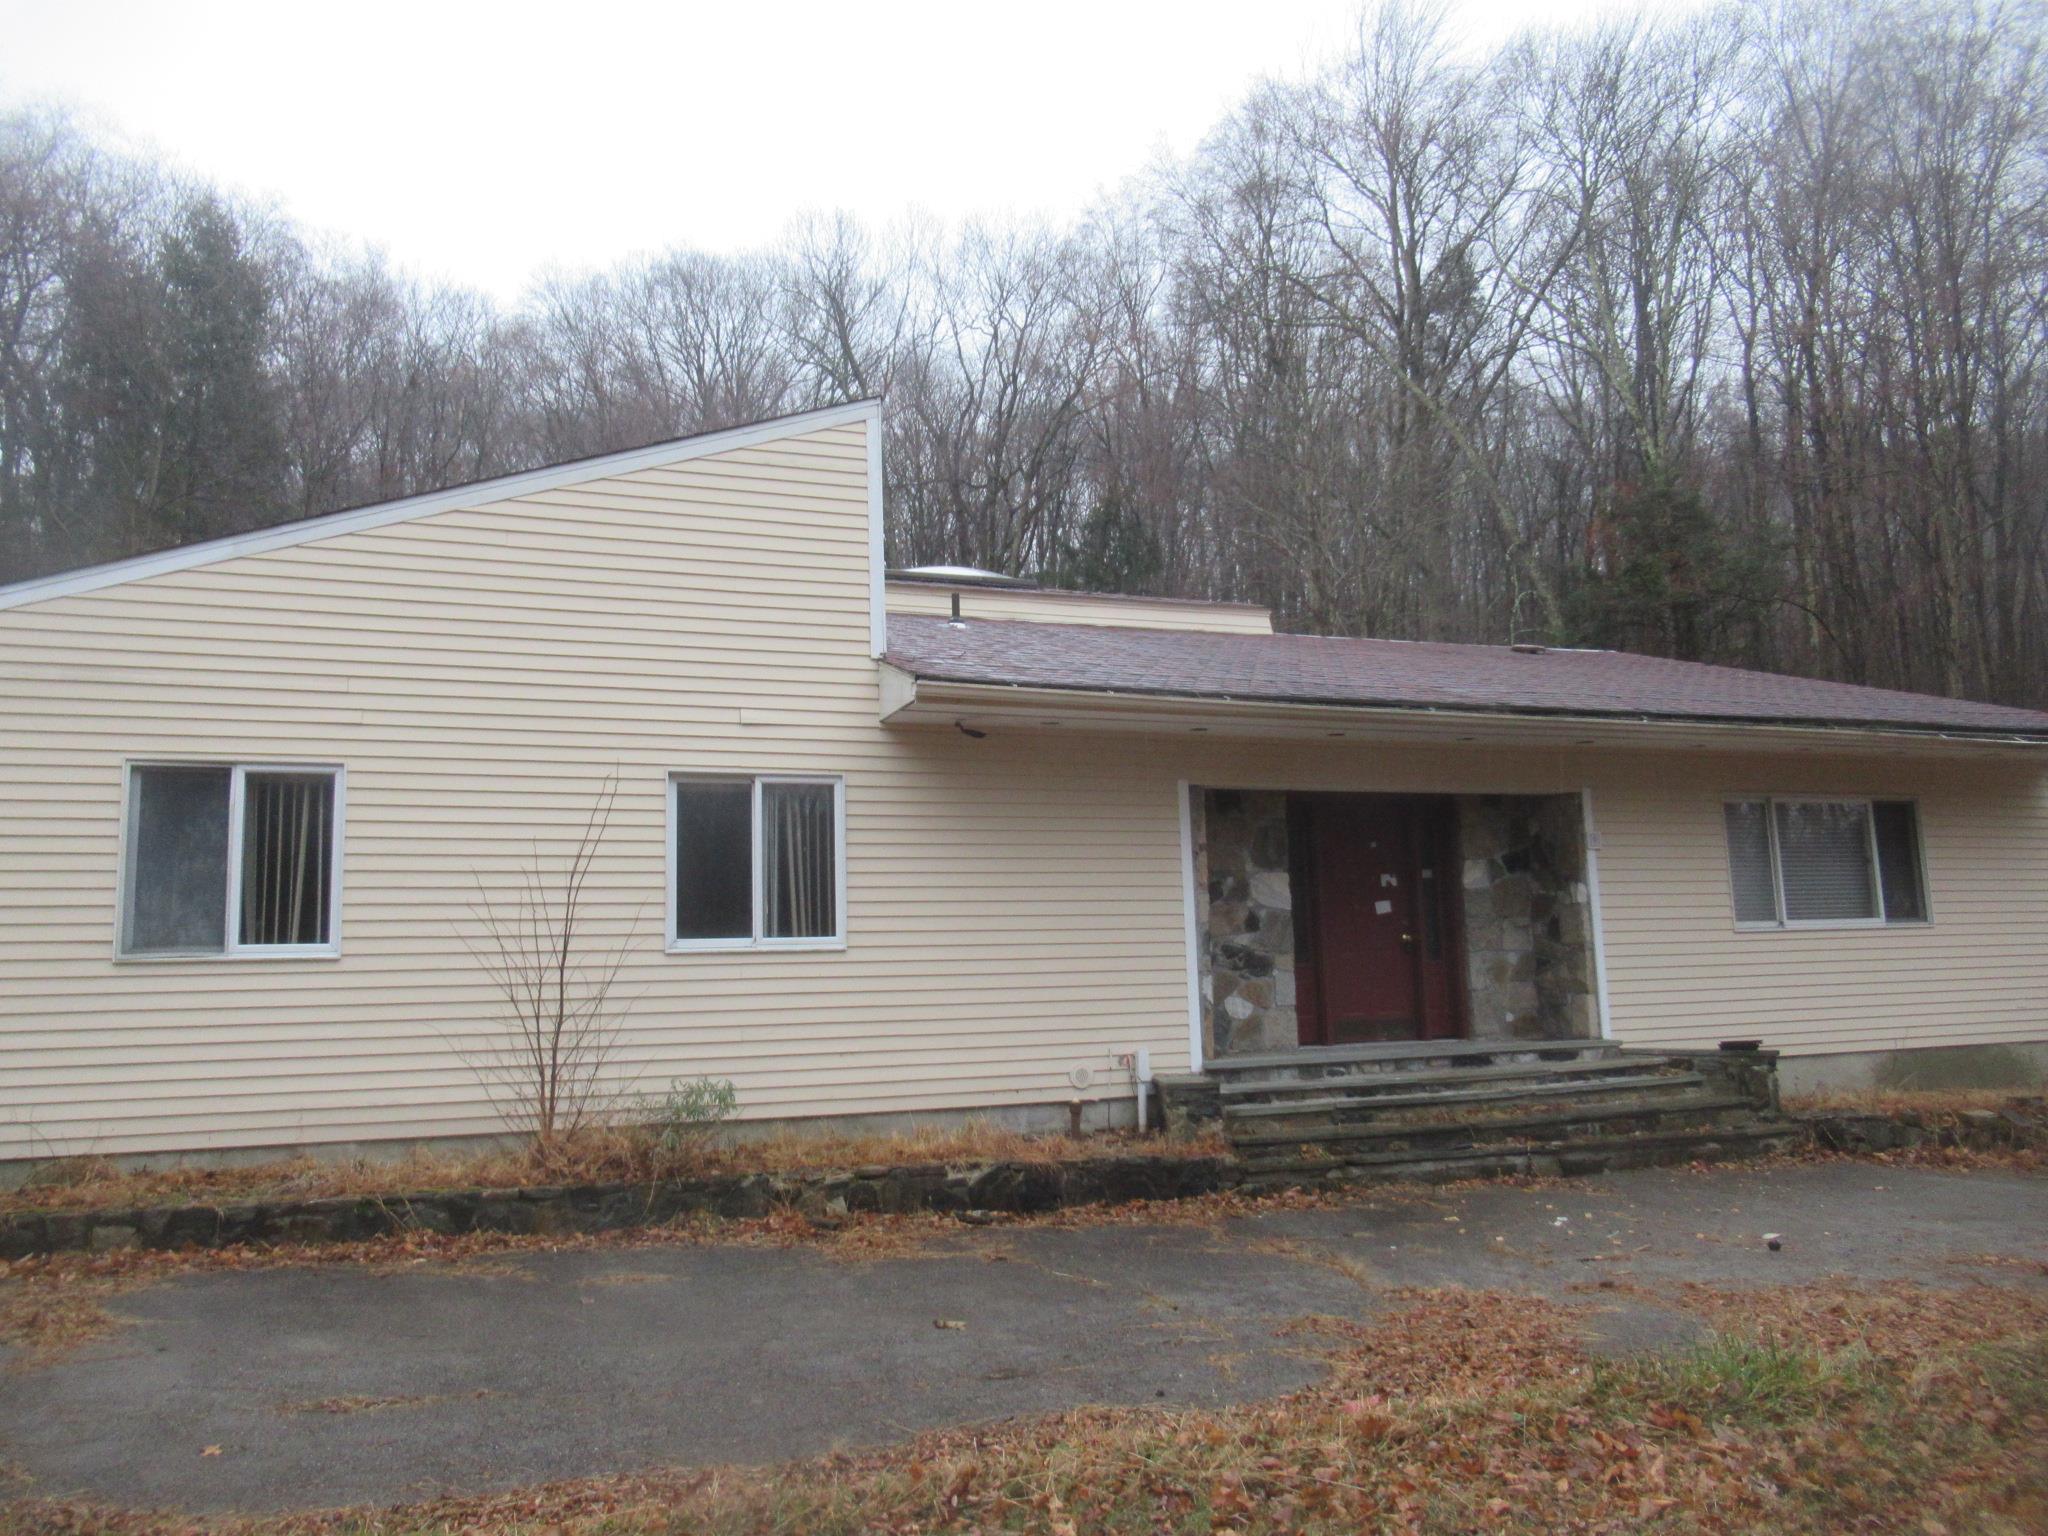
(1528, 919)
(1247, 927)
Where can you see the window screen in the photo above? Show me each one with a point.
(1898, 861)
(714, 860)
(800, 885)
(1749, 862)
(177, 861)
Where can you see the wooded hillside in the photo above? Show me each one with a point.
(1722, 338)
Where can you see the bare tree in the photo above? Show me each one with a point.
(550, 1066)
(847, 310)
(1424, 184)
(989, 447)
(1724, 335)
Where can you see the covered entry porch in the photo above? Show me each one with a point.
(1344, 921)
(1408, 985)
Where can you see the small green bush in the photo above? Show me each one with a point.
(691, 1109)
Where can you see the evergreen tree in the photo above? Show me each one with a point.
(223, 467)
(1113, 551)
(1665, 577)
(110, 395)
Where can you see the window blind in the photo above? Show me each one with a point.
(1824, 860)
(1749, 862)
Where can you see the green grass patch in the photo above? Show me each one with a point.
(1731, 1378)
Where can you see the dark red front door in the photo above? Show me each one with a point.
(1376, 930)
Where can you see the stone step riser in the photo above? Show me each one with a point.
(1449, 1089)
(1396, 1071)
(1398, 1150)
(1418, 1109)
(1565, 1158)
(1348, 1090)
(1403, 1082)
(1339, 1141)
(1535, 1114)
(1410, 1082)
(1415, 1056)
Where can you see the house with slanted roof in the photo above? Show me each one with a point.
(937, 842)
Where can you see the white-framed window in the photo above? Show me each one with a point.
(756, 861)
(1812, 861)
(230, 860)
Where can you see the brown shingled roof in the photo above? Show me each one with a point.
(1403, 674)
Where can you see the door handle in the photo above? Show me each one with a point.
(1407, 941)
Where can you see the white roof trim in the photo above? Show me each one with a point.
(927, 698)
(478, 493)
(878, 602)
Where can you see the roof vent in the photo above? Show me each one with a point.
(1528, 648)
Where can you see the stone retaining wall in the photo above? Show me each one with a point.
(2022, 1124)
(1021, 1188)
(1016, 1188)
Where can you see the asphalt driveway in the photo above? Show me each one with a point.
(339, 1384)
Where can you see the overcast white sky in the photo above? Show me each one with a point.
(485, 142)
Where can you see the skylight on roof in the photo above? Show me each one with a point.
(964, 575)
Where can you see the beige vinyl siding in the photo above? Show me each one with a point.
(1015, 903)
(480, 672)
(1680, 973)
(1114, 611)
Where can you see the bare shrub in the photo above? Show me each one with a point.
(547, 1068)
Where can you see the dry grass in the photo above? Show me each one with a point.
(1897, 1321)
(599, 1155)
(48, 1319)
(1814, 1410)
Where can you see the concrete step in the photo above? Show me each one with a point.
(1530, 1087)
(1347, 1140)
(1376, 1084)
(1405, 1055)
(1566, 1156)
